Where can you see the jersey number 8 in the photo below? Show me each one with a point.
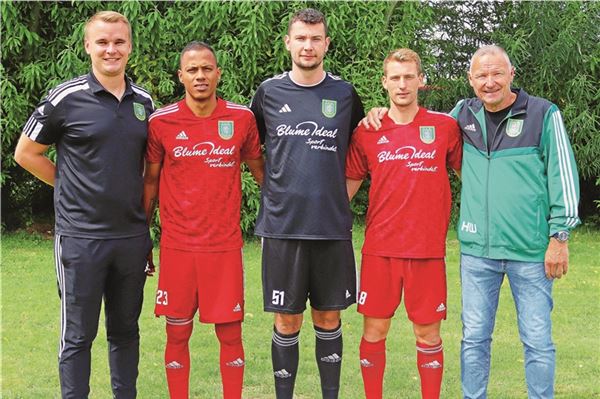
(362, 298)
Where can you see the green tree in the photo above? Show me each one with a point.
(42, 46)
(554, 46)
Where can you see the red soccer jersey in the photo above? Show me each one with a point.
(200, 182)
(409, 197)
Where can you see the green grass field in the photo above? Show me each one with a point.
(30, 313)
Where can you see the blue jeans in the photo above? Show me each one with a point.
(481, 279)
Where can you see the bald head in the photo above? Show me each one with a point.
(490, 49)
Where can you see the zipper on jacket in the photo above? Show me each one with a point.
(487, 180)
(483, 128)
(487, 205)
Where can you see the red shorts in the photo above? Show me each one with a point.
(383, 279)
(212, 282)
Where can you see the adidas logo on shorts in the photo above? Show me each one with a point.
(236, 363)
(348, 295)
(174, 365)
(441, 308)
(431, 365)
(237, 308)
(333, 358)
(283, 373)
(366, 363)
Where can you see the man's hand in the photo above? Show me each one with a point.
(374, 117)
(150, 269)
(556, 262)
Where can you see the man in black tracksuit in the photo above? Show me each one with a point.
(98, 123)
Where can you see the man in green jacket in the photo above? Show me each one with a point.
(519, 200)
(520, 191)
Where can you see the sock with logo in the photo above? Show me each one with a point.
(232, 358)
(177, 357)
(284, 354)
(328, 351)
(430, 362)
(372, 367)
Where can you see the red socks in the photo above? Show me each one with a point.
(232, 358)
(372, 367)
(177, 357)
(430, 362)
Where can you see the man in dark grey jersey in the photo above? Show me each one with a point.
(98, 123)
(305, 119)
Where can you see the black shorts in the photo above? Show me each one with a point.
(296, 270)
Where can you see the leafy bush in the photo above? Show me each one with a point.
(553, 45)
(250, 202)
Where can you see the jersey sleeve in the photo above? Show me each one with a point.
(563, 178)
(256, 105)
(155, 151)
(454, 153)
(357, 165)
(44, 126)
(251, 147)
(358, 111)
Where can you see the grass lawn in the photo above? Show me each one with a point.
(30, 314)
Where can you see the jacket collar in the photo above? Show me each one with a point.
(519, 106)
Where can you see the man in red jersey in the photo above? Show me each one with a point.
(407, 222)
(195, 148)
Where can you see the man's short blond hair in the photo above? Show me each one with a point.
(489, 49)
(109, 17)
(402, 55)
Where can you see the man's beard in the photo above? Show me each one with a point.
(309, 67)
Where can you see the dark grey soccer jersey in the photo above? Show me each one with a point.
(100, 145)
(306, 131)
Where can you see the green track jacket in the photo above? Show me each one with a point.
(522, 191)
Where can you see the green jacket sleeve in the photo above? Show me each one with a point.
(561, 171)
(456, 109)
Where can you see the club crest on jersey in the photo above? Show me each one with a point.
(139, 111)
(427, 134)
(514, 127)
(329, 108)
(225, 129)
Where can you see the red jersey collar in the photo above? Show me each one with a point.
(389, 122)
(187, 111)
